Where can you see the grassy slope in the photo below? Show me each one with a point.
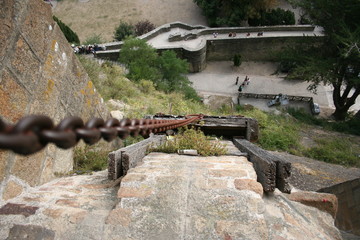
(282, 133)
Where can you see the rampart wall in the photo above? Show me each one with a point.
(39, 74)
(222, 49)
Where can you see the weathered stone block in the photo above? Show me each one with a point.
(134, 178)
(119, 216)
(217, 184)
(53, 213)
(47, 173)
(247, 184)
(30, 232)
(12, 190)
(3, 162)
(129, 192)
(13, 98)
(38, 27)
(68, 203)
(26, 65)
(18, 209)
(227, 173)
(323, 201)
(7, 13)
(28, 168)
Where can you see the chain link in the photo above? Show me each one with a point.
(32, 133)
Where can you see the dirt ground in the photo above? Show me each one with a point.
(89, 17)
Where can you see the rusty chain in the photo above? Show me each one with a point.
(32, 133)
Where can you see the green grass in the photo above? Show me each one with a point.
(351, 125)
(190, 138)
(88, 159)
(342, 152)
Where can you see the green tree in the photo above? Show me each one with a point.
(336, 62)
(166, 71)
(70, 35)
(123, 31)
(140, 59)
(173, 71)
(230, 12)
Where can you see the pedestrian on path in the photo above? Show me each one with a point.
(237, 80)
(240, 89)
(247, 80)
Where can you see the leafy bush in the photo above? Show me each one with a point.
(70, 35)
(140, 59)
(93, 39)
(276, 16)
(190, 138)
(237, 60)
(143, 27)
(123, 31)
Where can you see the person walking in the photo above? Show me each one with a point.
(240, 89)
(237, 80)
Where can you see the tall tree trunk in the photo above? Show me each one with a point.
(340, 113)
(343, 102)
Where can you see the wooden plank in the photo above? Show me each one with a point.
(123, 159)
(264, 168)
(272, 171)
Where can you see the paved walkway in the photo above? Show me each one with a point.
(162, 40)
(219, 79)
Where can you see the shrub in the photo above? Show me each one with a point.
(143, 27)
(237, 60)
(190, 138)
(70, 35)
(146, 86)
(123, 31)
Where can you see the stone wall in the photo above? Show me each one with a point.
(348, 215)
(39, 74)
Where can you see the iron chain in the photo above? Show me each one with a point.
(32, 133)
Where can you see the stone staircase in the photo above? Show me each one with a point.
(168, 196)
